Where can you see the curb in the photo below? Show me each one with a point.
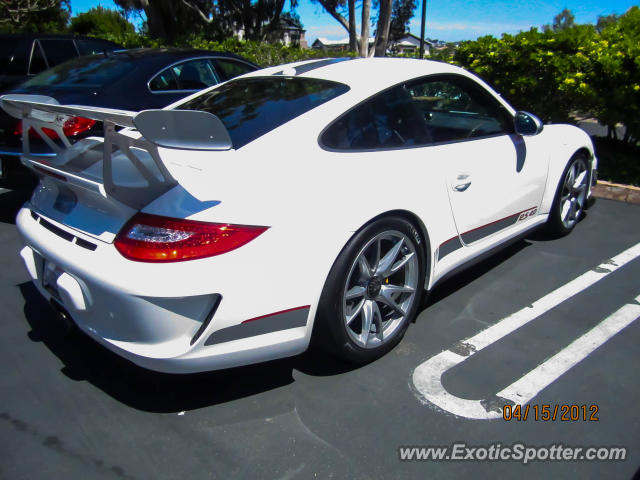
(616, 191)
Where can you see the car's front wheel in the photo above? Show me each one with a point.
(571, 196)
(373, 291)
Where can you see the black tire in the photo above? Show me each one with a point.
(557, 226)
(331, 332)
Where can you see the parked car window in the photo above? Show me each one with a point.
(232, 68)
(38, 63)
(91, 47)
(389, 120)
(455, 108)
(164, 81)
(252, 107)
(14, 57)
(191, 75)
(58, 50)
(95, 71)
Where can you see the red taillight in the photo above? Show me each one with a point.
(72, 127)
(151, 238)
(76, 125)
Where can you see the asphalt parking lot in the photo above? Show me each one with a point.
(71, 409)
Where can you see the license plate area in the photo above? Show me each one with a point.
(50, 275)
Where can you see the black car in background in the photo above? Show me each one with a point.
(128, 80)
(24, 55)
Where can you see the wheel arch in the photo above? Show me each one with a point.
(569, 141)
(422, 230)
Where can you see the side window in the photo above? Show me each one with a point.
(458, 109)
(195, 74)
(191, 75)
(164, 81)
(58, 51)
(38, 63)
(386, 121)
(232, 68)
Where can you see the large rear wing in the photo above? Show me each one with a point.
(132, 170)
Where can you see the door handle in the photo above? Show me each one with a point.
(461, 187)
(465, 182)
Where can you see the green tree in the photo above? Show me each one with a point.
(167, 19)
(101, 22)
(563, 21)
(170, 20)
(615, 74)
(401, 15)
(606, 20)
(389, 16)
(34, 15)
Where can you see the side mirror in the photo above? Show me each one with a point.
(527, 124)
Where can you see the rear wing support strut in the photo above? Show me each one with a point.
(175, 129)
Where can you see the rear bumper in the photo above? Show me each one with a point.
(175, 334)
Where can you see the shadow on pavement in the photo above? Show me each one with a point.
(10, 203)
(462, 278)
(146, 390)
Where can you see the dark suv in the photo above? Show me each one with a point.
(26, 54)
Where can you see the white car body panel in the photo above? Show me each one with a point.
(149, 312)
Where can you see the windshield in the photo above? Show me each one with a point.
(251, 107)
(95, 71)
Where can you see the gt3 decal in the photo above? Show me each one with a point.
(479, 233)
(528, 213)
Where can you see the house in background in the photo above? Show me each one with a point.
(289, 32)
(335, 45)
(409, 43)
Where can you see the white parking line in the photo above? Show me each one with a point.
(3, 190)
(427, 376)
(537, 379)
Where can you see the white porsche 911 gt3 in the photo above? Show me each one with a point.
(321, 198)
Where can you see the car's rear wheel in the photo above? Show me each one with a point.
(373, 291)
(571, 196)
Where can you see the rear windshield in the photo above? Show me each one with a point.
(95, 71)
(251, 107)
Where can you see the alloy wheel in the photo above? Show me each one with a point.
(380, 289)
(574, 193)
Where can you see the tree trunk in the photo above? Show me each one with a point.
(353, 36)
(153, 11)
(382, 31)
(364, 37)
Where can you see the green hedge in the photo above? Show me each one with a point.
(557, 75)
(261, 53)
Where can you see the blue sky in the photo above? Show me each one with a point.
(452, 20)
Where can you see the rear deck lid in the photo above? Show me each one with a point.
(96, 184)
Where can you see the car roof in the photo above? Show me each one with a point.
(175, 53)
(363, 74)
